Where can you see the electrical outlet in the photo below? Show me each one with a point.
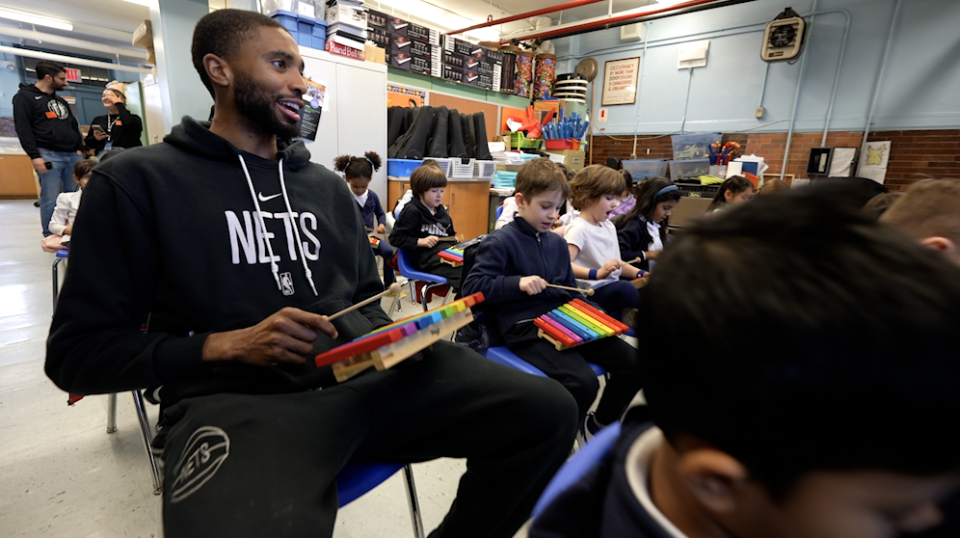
(760, 111)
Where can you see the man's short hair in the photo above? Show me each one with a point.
(222, 33)
(541, 175)
(46, 67)
(427, 176)
(797, 335)
(929, 208)
(593, 182)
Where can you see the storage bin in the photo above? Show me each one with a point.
(519, 141)
(307, 31)
(445, 164)
(462, 168)
(693, 146)
(504, 180)
(689, 169)
(562, 143)
(641, 169)
(485, 169)
(401, 167)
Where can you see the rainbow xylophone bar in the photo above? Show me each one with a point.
(374, 241)
(396, 331)
(452, 256)
(577, 323)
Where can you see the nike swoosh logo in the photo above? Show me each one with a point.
(266, 198)
(38, 97)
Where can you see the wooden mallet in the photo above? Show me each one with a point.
(394, 288)
(588, 292)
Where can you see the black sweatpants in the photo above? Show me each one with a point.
(454, 275)
(570, 368)
(265, 465)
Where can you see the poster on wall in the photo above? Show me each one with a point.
(873, 161)
(620, 81)
(314, 101)
(405, 97)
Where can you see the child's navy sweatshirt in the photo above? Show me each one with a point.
(513, 252)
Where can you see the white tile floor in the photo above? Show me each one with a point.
(61, 475)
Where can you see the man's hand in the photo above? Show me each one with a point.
(609, 267)
(99, 135)
(39, 165)
(532, 285)
(80, 153)
(381, 229)
(429, 242)
(283, 338)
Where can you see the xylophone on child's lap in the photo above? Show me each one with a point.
(374, 241)
(452, 256)
(389, 345)
(576, 323)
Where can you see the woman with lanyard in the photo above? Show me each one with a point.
(119, 129)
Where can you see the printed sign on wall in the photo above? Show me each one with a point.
(620, 81)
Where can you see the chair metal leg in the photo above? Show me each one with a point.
(414, 503)
(56, 281)
(112, 413)
(147, 433)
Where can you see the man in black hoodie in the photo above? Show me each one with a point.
(49, 134)
(236, 247)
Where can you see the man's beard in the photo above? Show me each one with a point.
(255, 105)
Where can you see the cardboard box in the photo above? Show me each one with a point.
(374, 54)
(453, 74)
(573, 160)
(143, 35)
(420, 64)
(459, 46)
(452, 59)
(419, 48)
(377, 20)
(343, 14)
(399, 43)
(422, 33)
(397, 26)
(334, 47)
(379, 38)
(400, 59)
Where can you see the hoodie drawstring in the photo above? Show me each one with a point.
(263, 227)
(296, 232)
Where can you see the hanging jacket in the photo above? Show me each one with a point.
(203, 238)
(44, 120)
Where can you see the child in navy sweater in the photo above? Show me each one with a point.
(643, 232)
(358, 171)
(424, 228)
(514, 265)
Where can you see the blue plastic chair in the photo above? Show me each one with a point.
(412, 275)
(573, 471)
(499, 211)
(503, 355)
(356, 479)
(61, 258)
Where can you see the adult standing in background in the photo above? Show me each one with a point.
(49, 133)
(119, 129)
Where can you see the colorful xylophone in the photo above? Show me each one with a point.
(389, 345)
(576, 323)
(452, 256)
(374, 241)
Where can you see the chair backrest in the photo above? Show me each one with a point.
(578, 466)
(499, 211)
(403, 264)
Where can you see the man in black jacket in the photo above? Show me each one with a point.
(237, 248)
(50, 135)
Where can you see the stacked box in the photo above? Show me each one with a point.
(378, 37)
(422, 33)
(420, 57)
(347, 29)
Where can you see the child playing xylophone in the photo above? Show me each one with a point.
(521, 270)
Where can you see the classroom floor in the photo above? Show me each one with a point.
(62, 475)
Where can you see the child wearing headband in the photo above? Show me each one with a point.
(358, 172)
(644, 230)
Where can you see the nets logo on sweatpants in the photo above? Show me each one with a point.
(205, 452)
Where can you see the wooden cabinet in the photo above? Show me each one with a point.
(16, 177)
(468, 203)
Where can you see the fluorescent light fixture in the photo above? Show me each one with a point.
(35, 19)
(440, 17)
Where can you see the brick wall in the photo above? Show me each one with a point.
(914, 155)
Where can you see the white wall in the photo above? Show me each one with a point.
(920, 90)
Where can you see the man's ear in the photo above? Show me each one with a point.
(715, 478)
(218, 70)
(941, 244)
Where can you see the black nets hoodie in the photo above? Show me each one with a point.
(171, 231)
(44, 120)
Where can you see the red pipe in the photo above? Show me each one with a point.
(612, 20)
(511, 18)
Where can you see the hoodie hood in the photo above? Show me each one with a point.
(195, 137)
(32, 88)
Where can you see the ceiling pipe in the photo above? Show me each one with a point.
(72, 60)
(131, 52)
(629, 17)
(511, 18)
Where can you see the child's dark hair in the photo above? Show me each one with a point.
(794, 363)
(82, 168)
(649, 193)
(593, 182)
(358, 167)
(541, 175)
(734, 184)
(427, 176)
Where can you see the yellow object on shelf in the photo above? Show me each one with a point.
(710, 180)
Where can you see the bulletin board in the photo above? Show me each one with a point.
(490, 111)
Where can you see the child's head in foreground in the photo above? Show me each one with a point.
(930, 213)
(541, 188)
(358, 171)
(812, 396)
(597, 190)
(428, 183)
